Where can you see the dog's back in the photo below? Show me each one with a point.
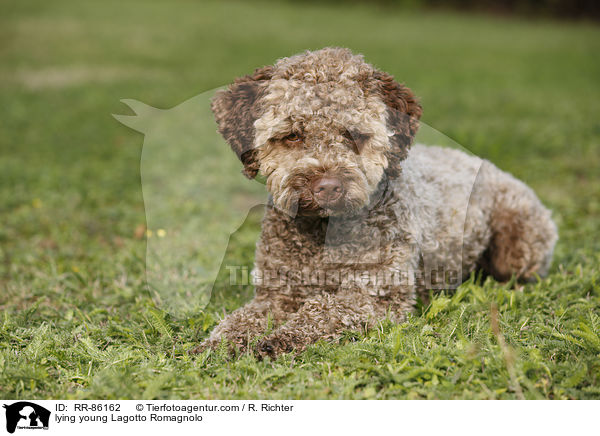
(471, 214)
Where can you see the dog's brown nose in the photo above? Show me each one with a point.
(327, 189)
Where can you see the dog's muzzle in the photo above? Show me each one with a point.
(327, 190)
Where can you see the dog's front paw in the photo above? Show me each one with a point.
(274, 345)
(208, 344)
(234, 344)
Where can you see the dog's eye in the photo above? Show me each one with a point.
(292, 138)
(356, 140)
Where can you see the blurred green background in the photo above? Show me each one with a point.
(76, 318)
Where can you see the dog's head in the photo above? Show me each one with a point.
(324, 128)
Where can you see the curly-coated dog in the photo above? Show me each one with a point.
(358, 225)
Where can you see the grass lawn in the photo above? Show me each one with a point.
(76, 319)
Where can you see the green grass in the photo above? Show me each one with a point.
(76, 319)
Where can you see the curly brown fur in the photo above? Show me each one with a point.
(358, 225)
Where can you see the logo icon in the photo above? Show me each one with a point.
(26, 415)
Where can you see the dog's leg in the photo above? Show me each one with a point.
(241, 326)
(325, 317)
(522, 232)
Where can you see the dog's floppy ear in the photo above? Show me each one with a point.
(236, 110)
(404, 112)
